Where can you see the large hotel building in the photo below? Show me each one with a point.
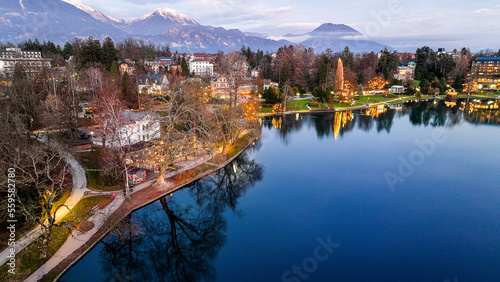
(486, 73)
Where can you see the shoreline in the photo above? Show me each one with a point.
(141, 199)
(371, 105)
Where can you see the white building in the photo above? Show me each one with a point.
(201, 67)
(134, 127)
(32, 61)
(397, 89)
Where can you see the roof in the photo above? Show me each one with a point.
(135, 116)
(150, 78)
(165, 58)
(487, 59)
(200, 60)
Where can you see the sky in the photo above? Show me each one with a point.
(405, 25)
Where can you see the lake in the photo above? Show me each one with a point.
(406, 194)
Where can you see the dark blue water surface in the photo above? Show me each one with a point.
(408, 195)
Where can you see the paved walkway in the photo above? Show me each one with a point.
(77, 193)
(78, 239)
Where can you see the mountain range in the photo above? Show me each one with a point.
(61, 20)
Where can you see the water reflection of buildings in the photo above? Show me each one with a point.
(340, 121)
(481, 112)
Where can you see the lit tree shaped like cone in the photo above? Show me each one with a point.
(339, 81)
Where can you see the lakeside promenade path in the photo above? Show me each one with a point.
(77, 193)
(79, 239)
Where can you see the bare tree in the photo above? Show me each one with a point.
(234, 66)
(228, 127)
(94, 80)
(186, 129)
(114, 132)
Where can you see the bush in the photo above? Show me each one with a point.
(314, 104)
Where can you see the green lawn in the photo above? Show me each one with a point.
(91, 161)
(266, 109)
(298, 105)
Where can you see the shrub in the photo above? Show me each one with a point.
(314, 104)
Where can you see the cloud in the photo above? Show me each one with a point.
(483, 11)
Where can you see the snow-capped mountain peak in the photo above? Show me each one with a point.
(168, 13)
(94, 13)
(79, 4)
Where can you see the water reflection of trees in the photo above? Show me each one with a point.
(427, 113)
(174, 241)
(286, 125)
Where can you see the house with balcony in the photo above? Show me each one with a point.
(220, 86)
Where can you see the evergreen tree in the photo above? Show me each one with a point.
(67, 51)
(151, 55)
(426, 64)
(388, 64)
(458, 84)
(319, 93)
(348, 59)
(128, 91)
(271, 95)
(184, 67)
(114, 71)
(109, 53)
(325, 69)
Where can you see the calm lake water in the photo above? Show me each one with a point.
(406, 195)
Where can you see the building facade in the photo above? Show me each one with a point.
(153, 84)
(485, 73)
(220, 87)
(32, 61)
(201, 67)
(406, 72)
(136, 127)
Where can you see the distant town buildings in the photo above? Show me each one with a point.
(32, 61)
(485, 73)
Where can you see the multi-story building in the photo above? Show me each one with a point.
(220, 87)
(406, 72)
(485, 73)
(201, 67)
(32, 61)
